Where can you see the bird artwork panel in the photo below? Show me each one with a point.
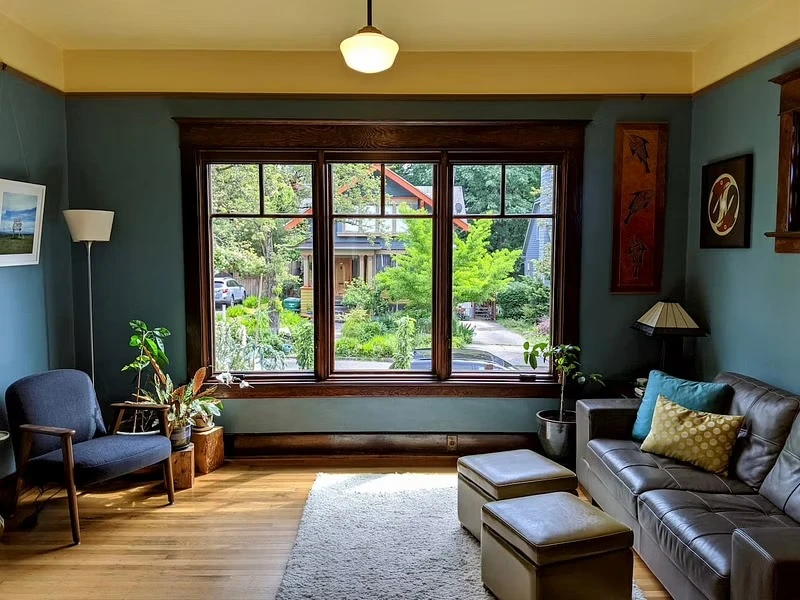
(726, 203)
(639, 191)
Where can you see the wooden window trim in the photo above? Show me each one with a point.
(203, 141)
(787, 226)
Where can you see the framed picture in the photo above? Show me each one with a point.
(640, 176)
(21, 214)
(726, 203)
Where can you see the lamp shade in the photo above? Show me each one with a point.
(369, 51)
(89, 225)
(667, 318)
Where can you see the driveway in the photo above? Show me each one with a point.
(493, 337)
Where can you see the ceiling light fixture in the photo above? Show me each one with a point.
(369, 51)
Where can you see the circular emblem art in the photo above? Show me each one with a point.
(723, 204)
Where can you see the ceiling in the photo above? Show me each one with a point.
(418, 25)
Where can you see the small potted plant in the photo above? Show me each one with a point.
(557, 427)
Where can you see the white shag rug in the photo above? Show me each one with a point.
(384, 537)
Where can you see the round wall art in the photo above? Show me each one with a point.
(726, 197)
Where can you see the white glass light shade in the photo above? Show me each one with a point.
(369, 51)
(89, 225)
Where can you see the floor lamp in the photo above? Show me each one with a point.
(89, 226)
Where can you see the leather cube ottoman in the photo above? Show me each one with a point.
(485, 478)
(554, 547)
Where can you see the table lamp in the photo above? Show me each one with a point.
(669, 321)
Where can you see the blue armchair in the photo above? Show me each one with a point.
(59, 437)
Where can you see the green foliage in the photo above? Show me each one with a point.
(236, 350)
(525, 298)
(236, 311)
(564, 361)
(406, 337)
(463, 331)
(291, 319)
(358, 325)
(366, 296)
(379, 346)
(348, 347)
(250, 302)
(303, 338)
(478, 274)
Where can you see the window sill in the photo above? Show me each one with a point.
(350, 386)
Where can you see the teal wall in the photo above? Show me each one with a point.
(749, 298)
(35, 301)
(123, 156)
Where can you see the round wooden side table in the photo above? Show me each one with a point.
(3, 437)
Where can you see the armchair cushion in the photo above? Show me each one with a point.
(60, 398)
(101, 458)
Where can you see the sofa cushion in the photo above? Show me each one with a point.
(695, 395)
(782, 485)
(701, 438)
(695, 530)
(102, 458)
(768, 416)
(628, 472)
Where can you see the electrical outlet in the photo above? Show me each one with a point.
(452, 443)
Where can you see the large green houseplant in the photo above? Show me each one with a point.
(557, 426)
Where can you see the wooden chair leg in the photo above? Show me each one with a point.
(169, 480)
(72, 494)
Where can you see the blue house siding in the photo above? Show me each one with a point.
(539, 233)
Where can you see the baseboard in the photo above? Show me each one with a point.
(418, 444)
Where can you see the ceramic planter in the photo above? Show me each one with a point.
(181, 437)
(203, 423)
(556, 435)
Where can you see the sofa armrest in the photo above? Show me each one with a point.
(765, 563)
(610, 418)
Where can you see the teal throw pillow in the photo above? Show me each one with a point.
(694, 395)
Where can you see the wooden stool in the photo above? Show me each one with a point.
(183, 467)
(209, 449)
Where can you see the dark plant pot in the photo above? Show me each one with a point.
(181, 437)
(557, 436)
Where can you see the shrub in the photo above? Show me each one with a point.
(303, 338)
(463, 331)
(291, 319)
(406, 338)
(525, 298)
(543, 326)
(347, 347)
(236, 311)
(365, 296)
(250, 302)
(380, 346)
(359, 326)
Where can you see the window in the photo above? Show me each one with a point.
(787, 227)
(417, 268)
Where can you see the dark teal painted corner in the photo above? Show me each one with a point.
(749, 298)
(35, 301)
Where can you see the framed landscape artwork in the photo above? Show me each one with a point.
(640, 165)
(726, 203)
(21, 213)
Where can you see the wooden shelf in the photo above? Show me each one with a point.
(786, 242)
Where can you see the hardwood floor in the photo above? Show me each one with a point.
(227, 538)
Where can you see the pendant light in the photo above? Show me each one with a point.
(369, 51)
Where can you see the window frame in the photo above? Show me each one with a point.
(207, 141)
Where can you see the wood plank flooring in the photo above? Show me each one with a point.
(228, 538)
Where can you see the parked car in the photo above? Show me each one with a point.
(465, 359)
(228, 292)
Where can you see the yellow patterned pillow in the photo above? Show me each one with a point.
(700, 438)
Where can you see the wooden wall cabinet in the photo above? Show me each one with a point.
(787, 228)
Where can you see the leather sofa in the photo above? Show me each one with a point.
(705, 536)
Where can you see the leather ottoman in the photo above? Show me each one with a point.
(554, 547)
(485, 478)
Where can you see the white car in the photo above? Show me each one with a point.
(228, 292)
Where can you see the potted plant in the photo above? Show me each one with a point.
(557, 427)
(149, 344)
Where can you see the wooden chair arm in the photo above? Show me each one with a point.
(47, 430)
(141, 406)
